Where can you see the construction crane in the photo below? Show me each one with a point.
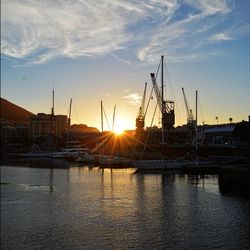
(190, 117)
(166, 107)
(140, 118)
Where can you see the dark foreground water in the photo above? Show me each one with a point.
(90, 208)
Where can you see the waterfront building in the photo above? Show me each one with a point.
(13, 132)
(46, 124)
(7, 134)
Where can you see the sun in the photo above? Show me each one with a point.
(119, 127)
(122, 123)
(118, 130)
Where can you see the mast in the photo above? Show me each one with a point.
(53, 102)
(196, 123)
(52, 115)
(113, 119)
(70, 104)
(163, 103)
(101, 116)
(69, 119)
(52, 112)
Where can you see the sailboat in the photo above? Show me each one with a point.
(167, 122)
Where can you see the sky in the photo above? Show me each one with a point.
(91, 50)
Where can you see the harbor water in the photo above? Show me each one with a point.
(56, 205)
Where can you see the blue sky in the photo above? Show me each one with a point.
(104, 50)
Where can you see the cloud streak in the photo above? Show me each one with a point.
(38, 31)
(133, 98)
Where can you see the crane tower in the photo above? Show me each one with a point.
(140, 119)
(166, 106)
(190, 118)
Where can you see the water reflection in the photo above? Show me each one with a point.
(51, 180)
(92, 208)
(37, 163)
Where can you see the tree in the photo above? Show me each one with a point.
(230, 120)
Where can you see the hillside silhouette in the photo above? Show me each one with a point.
(11, 112)
(82, 128)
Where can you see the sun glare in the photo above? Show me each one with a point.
(120, 126)
(118, 130)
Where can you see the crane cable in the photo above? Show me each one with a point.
(172, 90)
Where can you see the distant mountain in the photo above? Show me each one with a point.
(11, 112)
(82, 128)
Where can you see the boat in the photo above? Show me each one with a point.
(85, 157)
(158, 164)
(64, 153)
(68, 153)
(114, 161)
(167, 121)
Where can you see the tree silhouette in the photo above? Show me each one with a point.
(230, 120)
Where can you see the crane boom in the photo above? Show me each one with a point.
(161, 103)
(190, 117)
(186, 103)
(157, 91)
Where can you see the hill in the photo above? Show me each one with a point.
(11, 112)
(82, 128)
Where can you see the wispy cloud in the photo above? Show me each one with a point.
(179, 38)
(49, 29)
(220, 37)
(38, 31)
(133, 98)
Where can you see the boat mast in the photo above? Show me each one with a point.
(69, 119)
(52, 112)
(196, 123)
(53, 102)
(163, 103)
(52, 115)
(70, 104)
(113, 119)
(101, 116)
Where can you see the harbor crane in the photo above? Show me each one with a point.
(140, 119)
(190, 117)
(166, 106)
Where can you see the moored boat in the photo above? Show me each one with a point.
(85, 157)
(114, 161)
(68, 152)
(158, 164)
